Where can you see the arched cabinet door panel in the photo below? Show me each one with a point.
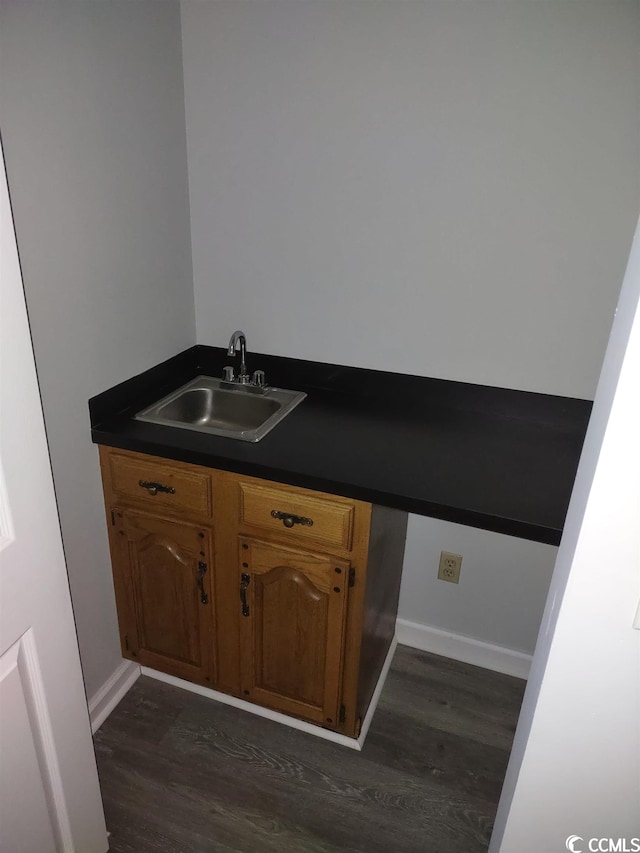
(293, 608)
(164, 585)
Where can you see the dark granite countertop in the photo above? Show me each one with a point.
(486, 457)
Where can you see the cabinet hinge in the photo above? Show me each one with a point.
(113, 518)
(352, 576)
(342, 715)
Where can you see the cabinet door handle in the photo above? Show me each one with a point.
(245, 581)
(289, 520)
(202, 570)
(153, 488)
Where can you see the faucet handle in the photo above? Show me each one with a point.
(228, 374)
(258, 378)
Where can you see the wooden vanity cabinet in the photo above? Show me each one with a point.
(159, 518)
(165, 594)
(283, 596)
(293, 629)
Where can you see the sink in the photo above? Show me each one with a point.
(213, 406)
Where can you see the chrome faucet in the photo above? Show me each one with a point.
(239, 339)
(255, 383)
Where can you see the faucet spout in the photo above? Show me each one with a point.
(239, 340)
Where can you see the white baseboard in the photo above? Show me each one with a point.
(112, 691)
(276, 716)
(259, 711)
(462, 648)
(412, 634)
(364, 728)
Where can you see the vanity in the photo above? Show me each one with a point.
(269, 571)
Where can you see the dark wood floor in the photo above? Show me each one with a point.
(183, 774)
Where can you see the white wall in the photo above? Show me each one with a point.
(501, 594)
(446, 189)
(576, 756)
(92, 116)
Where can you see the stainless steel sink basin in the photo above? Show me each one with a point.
(210, 405)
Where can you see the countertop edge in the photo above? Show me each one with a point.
(558, 421)
(457, 515)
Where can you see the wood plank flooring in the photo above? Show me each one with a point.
(183, 774)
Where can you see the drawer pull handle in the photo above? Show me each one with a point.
(289, 520)
(246, 580)
(202, 570)
(154, 488)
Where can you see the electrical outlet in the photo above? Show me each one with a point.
(449, 568)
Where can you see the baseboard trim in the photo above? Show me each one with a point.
(364, 728)
(465, 649)
(412, 634)
(276, 716)
(112, 691)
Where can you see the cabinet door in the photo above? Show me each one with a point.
(164, 588)
(293, 606)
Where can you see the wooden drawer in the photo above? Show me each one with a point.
(167, 487)
(331, 518)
